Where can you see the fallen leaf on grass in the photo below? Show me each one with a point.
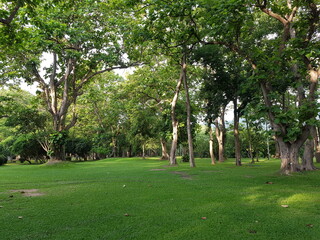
(285, 206)
(20, 217)
(309, 225)
(269, 182)
(126, 214)
(203, 218)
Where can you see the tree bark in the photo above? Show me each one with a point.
(236, 133)
(249, 141)
(211, 149)
(221, 134)
(174, 120)
(189, 130)
(316, 136)
(164, 153)
(308, 154)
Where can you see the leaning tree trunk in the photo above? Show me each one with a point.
(189, 130)
(211, 151)
(236, 133)
(164, 153)
(174, 120)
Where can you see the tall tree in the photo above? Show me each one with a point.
(83, 41)
(279, 40)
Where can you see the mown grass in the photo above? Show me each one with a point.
(90, 200)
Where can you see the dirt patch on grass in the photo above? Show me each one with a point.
(182, 174)
(28, 192)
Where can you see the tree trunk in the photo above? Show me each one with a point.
(236, 133)
(164, 153)
(174, 121)
(289, 154)
(316, 136)
(277, 153)
(249, 141)
(143, 151)
(308, 154)
(58, 153)
(213, 160)
(221, 134)
(189, 130)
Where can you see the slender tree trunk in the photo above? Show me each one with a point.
(221, 135)
(189, 130)
(236, 133)
(174, 121)
(143, 151)
(249, 141)
(164, 153)
(316, 136)
(213, 160)
(268, 143)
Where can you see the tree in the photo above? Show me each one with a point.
(76, 58)
(170, 29)
(279, 41)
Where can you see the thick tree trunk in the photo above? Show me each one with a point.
(308, 154)
(289, 154)
(189, 130)
(164, 153)
(211, 149)
(236, 134)
(58, 153)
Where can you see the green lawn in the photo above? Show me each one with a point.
(133, 199)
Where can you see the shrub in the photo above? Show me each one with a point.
(3, 159)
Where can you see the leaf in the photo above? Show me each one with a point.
(269, 182)
(285, 206)
(126, 214)
(204, 218)
(309, 225)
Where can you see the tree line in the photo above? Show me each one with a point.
(191, 59)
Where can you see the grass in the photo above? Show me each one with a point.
(90, 200)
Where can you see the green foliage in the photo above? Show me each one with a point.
(28, 147)
(78, 146)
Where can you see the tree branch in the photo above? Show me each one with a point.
(14, 12)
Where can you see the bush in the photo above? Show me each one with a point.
(78, 146)
(185, 158)
(27, 146)
(3, 160)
